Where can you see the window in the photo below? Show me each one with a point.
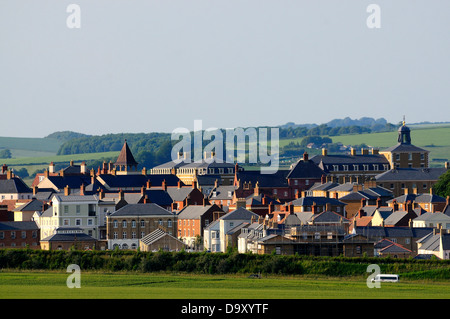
(143, 234)
(335, 167)
(397, 157)
(78, 222)
(329, 235)
(295, 182)
(316, 235)
(409, 156)
(375, 167)
(278, 250)
(143, 223)
(24, 234)
(66, 209)
(422, 156)
(356, 167)
(2, 235)
(115, 224)
(392, 186)
(169, 223)
(385, 167)
(365, 167)
(78, 209)
(345, 167)
(133, 235)
(124, 235)
(90, 222)
(124, 223)
(133, 224)
(66, 222)
(13, 235)
(160, 222)
(306, 181)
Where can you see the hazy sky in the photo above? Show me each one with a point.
(147, 65)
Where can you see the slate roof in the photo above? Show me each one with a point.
(13, 185)
(419, 198)
(70, 236)
(196, 211)
(34, 205)
(309, 200)
(305, 169)
(141, 210)
(329, 217)
(76, 198)
(222, 192)
(239, 214)
(29, 225)
(411, 174)
(392, 232)
(404, 148)
(396, 217)
(429, 216)
(277, 179)
(137, 180)
(326, 162)
(73, 181)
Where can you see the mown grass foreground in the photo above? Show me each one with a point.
(132, 285)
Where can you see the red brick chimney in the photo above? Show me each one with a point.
(265, 200)
(314, 208)
(67, 190)
(305, 157)
(82, 189)
(164, 185)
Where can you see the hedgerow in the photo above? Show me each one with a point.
(219, 263)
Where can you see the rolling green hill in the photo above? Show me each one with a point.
(434, 138)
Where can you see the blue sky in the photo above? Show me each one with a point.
(145, 66)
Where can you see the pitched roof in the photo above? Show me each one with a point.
(18, 225)
(126, 157)
(277, 179)
(309, 200)
(411, 174)
(13, 185)
(239, 214)
(305, 169)
(401, 147)
(392, 232)
(419, 198)
(33, 205)
(196, 211)
(156, 235)
(141, 210)
(329, 217)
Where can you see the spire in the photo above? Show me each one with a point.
(126, 158)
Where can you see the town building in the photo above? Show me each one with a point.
(23, 234)
(134, 221)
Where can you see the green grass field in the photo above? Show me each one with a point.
(432, 138)
(52, 285)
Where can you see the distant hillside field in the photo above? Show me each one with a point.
(30, 144)
(434, 138)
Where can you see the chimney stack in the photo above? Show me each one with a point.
(82, 189)
(67, 190)
(83, 167)
(51, 167)
(305, 157)
(164, 185)
(324, 152)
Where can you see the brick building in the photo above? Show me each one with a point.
(19, 235)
